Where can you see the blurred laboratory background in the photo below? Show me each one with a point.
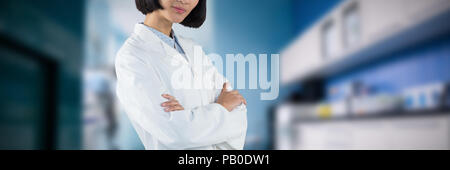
(355, 74)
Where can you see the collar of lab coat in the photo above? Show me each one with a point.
(150, 38)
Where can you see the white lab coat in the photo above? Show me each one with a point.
(144, 68)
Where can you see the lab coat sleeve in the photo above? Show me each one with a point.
(236, 142)
(140, 89)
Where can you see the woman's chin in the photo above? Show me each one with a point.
(177, 20)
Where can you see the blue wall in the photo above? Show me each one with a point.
(259, 27)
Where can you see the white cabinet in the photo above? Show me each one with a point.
(424, 132)
(294, 65)
(384, 18)
(340, 38)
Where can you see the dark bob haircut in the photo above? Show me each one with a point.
(195, 19)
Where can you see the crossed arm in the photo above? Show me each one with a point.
(228, 99)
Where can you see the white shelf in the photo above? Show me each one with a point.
(385, 26)
(427, 132)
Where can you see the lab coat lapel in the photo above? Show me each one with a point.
(188, 48)
(173, 54)
(154, 44)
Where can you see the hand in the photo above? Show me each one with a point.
(171, 105)
(230, 100)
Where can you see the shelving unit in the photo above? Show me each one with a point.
(409, 132)
(400, 25)
(353, 34)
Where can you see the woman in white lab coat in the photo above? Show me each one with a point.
(164, 114)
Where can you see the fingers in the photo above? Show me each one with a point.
(238, 95)
(170, 103)
(168, 97)
(238, 98)
(234, 92)
(225, 87)
(243, 100)
(174, 108)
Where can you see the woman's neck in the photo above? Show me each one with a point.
(156, 21)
